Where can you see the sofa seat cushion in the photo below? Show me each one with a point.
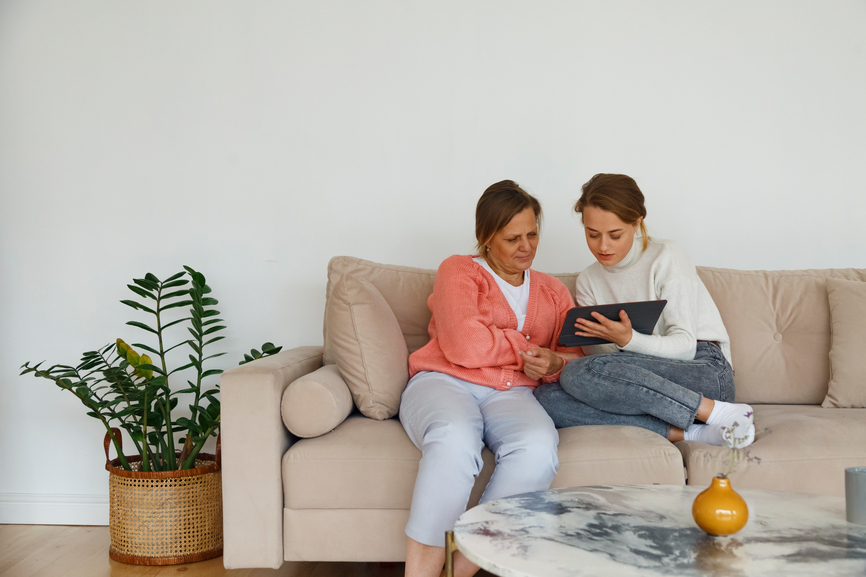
(806, 451)
(362, 464)
(369, 464)
(614, 455)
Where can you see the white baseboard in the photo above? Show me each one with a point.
(46, 509)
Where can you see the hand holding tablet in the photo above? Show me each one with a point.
(643, 316)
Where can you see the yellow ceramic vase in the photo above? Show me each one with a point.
(719, 510)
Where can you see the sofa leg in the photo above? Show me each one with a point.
(449, 553)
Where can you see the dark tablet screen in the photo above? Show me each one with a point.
(643, 316)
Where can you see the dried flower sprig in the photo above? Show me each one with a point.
(737, 453)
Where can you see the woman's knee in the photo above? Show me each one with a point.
(575, 378)
(535, 448)
(453, 440)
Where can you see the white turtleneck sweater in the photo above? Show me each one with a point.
(662, 271)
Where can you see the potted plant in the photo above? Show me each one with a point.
(169, 483)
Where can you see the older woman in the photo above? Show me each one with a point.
(469, 385)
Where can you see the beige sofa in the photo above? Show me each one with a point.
(343, 491)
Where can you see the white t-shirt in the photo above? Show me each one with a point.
(662, 271)
(517, 296)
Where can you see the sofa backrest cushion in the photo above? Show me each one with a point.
(779, 326)
(367, 346)
(778, 321)
(847, 344)
(404, 288)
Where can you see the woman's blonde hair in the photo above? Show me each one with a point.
(616, 193)
(497, 206)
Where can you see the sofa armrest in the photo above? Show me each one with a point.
(254, 440)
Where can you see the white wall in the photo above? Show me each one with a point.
(256, 140)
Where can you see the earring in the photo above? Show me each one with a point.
(488, 249)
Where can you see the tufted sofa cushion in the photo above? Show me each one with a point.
(779, 325)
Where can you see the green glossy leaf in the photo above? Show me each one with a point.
(175, 294)
(172, 323)
(210, 372)
(140, 292)
(182, 368)
(147, 348)
(175, 305)
(267, 347)
(138, 306)
(213, 330)
(146, 283)
(174, 284)
(142, 326)
(180, 344)
(213, 340)
(149, 367)
(209, 302)
(175, 276)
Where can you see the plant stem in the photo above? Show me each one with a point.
(166, 408)
(190, 460)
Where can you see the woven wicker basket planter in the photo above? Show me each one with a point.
(168, 517)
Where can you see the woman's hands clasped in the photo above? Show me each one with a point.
(541, 362)
(613, 331)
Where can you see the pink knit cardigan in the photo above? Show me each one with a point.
(473, 332)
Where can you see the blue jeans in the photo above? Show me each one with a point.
(637, 390)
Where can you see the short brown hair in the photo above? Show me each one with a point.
(497, 206)
(616, 193)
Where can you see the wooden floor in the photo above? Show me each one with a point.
(54, 551)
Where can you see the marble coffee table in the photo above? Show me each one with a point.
(648, 530)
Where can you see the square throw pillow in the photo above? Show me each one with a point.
(847, 344)
(368, 346)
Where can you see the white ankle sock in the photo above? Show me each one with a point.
(715, 435)
(730, 414)
(711, 434)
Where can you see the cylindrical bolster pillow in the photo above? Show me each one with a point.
(316, 403)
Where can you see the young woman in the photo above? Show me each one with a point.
(663, 382)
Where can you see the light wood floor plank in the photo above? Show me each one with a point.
(94, 547)
(54, 545)
(20, 542)
(53, 551)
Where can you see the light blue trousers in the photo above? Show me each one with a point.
(450, 421)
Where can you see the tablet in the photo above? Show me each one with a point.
(643, 316)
